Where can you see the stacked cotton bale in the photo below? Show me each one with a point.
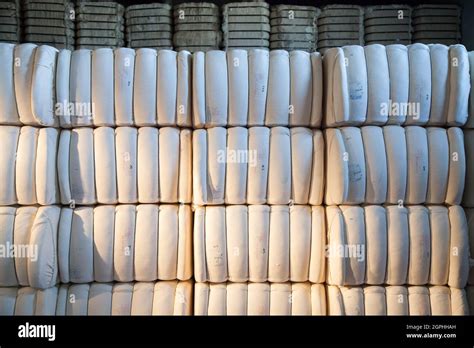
(99, 24)
(294, 27)
(197, 26)
(10, 23)
(340, 25)
(49, 23)
(246, 25)
(388, 24)
(437, 24)
(149, 25)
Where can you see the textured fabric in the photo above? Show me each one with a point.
(7, 264)
(420, 245)
(259, 228)
(9, 136)
(81, 247)
(168, 236)
(148, 183)
(238, 85)
(300, 242)
(459, 256)
(457, 166)
(376, 244)
(142, 299)
(398, 245)
(100, 299)
(102, 88)
(375, 164)
(420, 83)
(8, 108)
(397, 166)
(80, 82)
(438, 161)
(168, 164)
(23, 76)
(124, 243)
(439, 55)
(199, 90)
(105, 168)
(25, 178)
(440, 240)
(301, 163)
(124, 67)
(216, 89)
(397, 300)
(375, 301)
(166, 87)
(144, 87)
(378, 84)
(258, 66)
(279, 239)
(45, 171)
(184, 90)
(278, 95)
(459, 86)
(398, 68)
(24, 219)
(317, 89)
(63, 157)
(440, 300)
(417, 168)
(257, 177)
(80, 294)
(126, 161)
(104, 235)
(237, 243)
(419, 300)
(63, 67)
(236, 168)
(279, 169)
(301, 88)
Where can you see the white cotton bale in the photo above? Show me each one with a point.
(81, 168)
(63, 162)
(317, 89)
(146, 243)
(278, 95)
(376, 244)
(318, 299)
(64, 242)
(166, 87)
(184, 267)
(439, 55)
(378, 84)
(459, 262)
(81, 249)
(199, 89)
(419, 300)
(396, 152)
(238, 84)
(257, 176)
(77, 299)
(164, 297)
(440, 239)
(301, 88)
(357, 83)
(457, 166)
(237, 242)
(375, 165)
(144, 87)
(25, 301)
(375, 300)
(217, 304)
(280, 299)
(258, 230)
(258, 299)
(335, 302)
(300, 242)
(105, 168)
(183, 298)
(440, 300)
(199, 245)
(24, 57)
(459, 86)
(80, 88)
(237, 161)
(216, 244)
(184, 89)
(102, 87)
(122, 299)
(148, 183)
(8, 301)
(316, 191)
(301, 163)
(459, 302)
(468, 196)
(355, 257)
(185, 179)
(438, 165)
(45, 171)
(104, 235)
(417, 165)
(24, 220)
(201, 298)
(237, 298)
(279, 169)
(126, 139)
(8, 108)
(124, 242)
(200, 158)
(420, 245)
(168, 145)
(9, 136)
(8, 275)
(168, 236)
(216, 165)
(398, 68)
(336, 104)
(336, 265)
(258, 67)
(142, 298)
(419, 96)
(100, 299)
(216, 89)
(355, 165)
(353, 298)
(317, 261)
(301, 299)
(278, 244)
(398, 245)
(62, 300)
(124, 67)
(397, 300)
(63, 68)
(46, 301)
(25, 178)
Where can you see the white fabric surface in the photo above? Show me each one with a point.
(420, 245)
(457, 166)
(184, 90)
(397, 300)
(24, 57)
(100, 299)
(376, 244)
(317, 88)
(237, 298)
(419, 300)
(216, 165)
(25, 301)
(63, 162)
(236, 167)
(105, 168)
(199, 89)
(237, 243)
(81, 247)
(258, 299)
(24, 219)
(169, 158)
(317, 262)
(7, 264)
(259, 230)
(316, 193)
(459, 255)
(8, 108)
(144, 87)
(396, 152)
(375, 164)
(279, 169)
(9, 136)
(301, 88)
(185, 184)
(398, 68)
(122, 299)
(80, 82)
(440, 250)
(126, 161)
(78, 296)
(438, 161)
(148, 183)
(104, 235)
(440, 62)
(258, 66)
(398, 245)
(216, 89)
(64, 241)
(278, 96)
(124, 243)
(63, 67)
(470, 119)
(45, 171)
(375, 301)
(166, 87)
(278, 242)
(417, 165)
(238, 85)
(142, 298)
(257, 177)
(199, 167)
(102, 87)
(168, 237)
(216, 246)
(420, 83)
(459, 86)
(124, 67)
(301, 163)
(300, 242)
(46, 301)
(25, 178)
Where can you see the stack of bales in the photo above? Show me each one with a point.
(50, 23)
(246, 25)
(294, 27)
(99, 24)
(197, 27)
(10, 21)
(388, 24)
(149, 26)
(437, 24)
